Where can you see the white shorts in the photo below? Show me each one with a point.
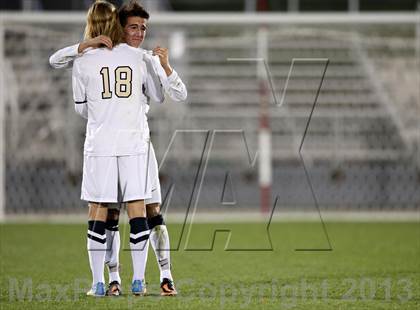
(153, 171)
(111, 179)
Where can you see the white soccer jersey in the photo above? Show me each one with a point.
(111, 83)
(156, 80)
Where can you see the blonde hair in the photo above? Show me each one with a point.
(102, 19)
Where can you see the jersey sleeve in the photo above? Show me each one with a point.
(79, 91)
(174, 87)
(161, 84)
(64, 57)
(153, 87)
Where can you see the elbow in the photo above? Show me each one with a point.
(184, 95)
(55, 64)
(179, 95)
(58, 64)
(52, 63)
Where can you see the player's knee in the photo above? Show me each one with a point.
(113, 215)
(154, 221)
(97, 212)
(136, 209)
(152, 210)
(112, 220)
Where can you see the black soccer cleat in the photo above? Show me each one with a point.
(167, 288)
(114, 289)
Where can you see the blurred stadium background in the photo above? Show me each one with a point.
(362, 149)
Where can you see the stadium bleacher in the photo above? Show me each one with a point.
(361, 123)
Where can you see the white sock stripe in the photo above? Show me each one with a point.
(142, 233)
(94, 234)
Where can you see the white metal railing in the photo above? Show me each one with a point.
(229, 18)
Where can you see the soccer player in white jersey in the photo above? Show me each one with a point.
(110, 83)
(160, 76)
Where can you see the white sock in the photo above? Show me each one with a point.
(113, 252)
(139, 236)
(96, 245)
(159, 239)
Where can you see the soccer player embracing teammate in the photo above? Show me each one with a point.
(112, 86)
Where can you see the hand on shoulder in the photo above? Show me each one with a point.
(96, 42)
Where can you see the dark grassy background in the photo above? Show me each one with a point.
(371, 266)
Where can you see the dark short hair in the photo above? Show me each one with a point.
(129, 9)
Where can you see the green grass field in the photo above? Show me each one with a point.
(371, 266)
